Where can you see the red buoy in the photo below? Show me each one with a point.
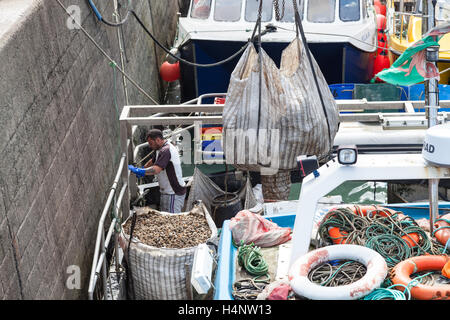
(381, 62)
(382, 43)
(381, 22)
(170, 71)
(381, 6)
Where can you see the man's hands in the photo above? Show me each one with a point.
(139, 172)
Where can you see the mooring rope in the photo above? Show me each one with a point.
(385, 234)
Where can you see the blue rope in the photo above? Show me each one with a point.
(388, 293)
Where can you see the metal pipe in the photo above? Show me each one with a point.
(101, 264)
(433, 186)
(100, 231)
(432, 55)
(116, 235)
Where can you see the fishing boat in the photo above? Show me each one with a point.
(404, 28)
(290, 262)
(390, 166)
(341, 35)
(353, 166)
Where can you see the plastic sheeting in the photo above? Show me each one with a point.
(205, 189)
(290, 120)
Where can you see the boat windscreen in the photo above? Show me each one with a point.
(289, 11)
(349, 10)
(321, 11)
(252, 7)
(227, 10)
(201, 9)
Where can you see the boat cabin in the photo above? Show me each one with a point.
(328, 11)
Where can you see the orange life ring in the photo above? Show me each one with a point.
(402, 272)
(340, 237)
(443, 234)
(446, 270)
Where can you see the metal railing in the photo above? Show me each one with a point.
(114, 201)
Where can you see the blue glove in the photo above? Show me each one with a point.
(139, 172)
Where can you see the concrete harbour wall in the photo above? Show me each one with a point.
(59, 133)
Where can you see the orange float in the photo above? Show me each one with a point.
(401, 274)
(446, 270)
(381, 22)
(381, 62)
(380, 6)
(443, 234)
(170, 71)
(340, 237)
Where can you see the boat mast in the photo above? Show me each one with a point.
(432, 101)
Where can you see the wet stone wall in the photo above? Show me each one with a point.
(59, 134)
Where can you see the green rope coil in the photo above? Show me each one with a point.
(251, 259)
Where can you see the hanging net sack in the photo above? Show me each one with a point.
(272, 117)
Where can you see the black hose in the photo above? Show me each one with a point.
(129, 275)
(132, 12)
(100, 17)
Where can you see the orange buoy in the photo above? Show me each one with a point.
(381, 62)
(377, 9)
(381, 22)
(339, 236)
(363, 211)
(446, 270)
(170, 71)
(401, 274)
(381, 36)
(412, 239)
(381, 7)
(443, 234)
(382, 46)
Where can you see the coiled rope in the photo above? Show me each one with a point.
(383, 234)
(388, 294)
(251, 259)
(337, 273)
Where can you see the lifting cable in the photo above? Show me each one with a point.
(106, 55)
(134, 14)
(299, 27)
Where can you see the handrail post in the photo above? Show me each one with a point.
(104, 273)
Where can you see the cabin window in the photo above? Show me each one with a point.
(227, 10)
(349, 10)
(201, 9)
(252, 7)
(289, 10)
(321, 10)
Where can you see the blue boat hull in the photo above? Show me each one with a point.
(225, 275)
(339, 62)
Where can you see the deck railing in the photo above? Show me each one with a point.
(113, 202)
